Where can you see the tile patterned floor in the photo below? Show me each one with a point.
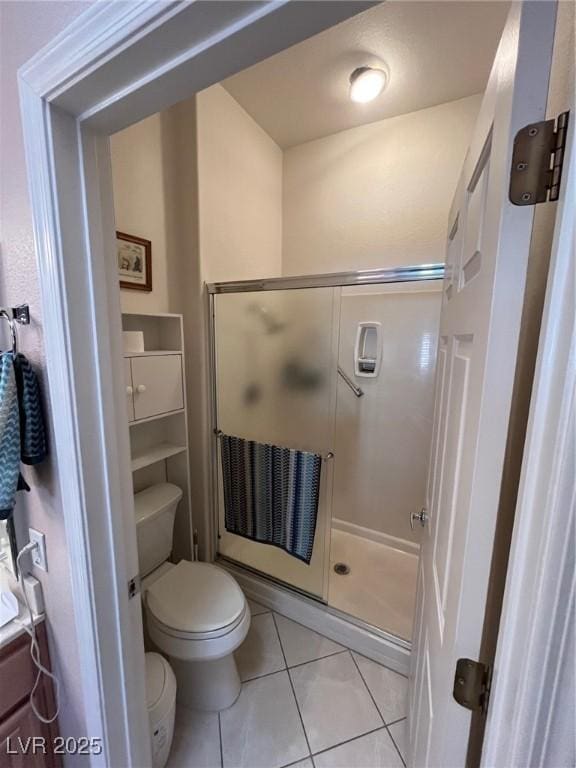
(306, 702)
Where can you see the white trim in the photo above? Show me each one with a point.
(531, 712)
(410, 547)
(117, 63)
(370, 642)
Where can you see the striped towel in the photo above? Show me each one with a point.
(9, 436)
(22, 430)
(271, 494)
(34, 448)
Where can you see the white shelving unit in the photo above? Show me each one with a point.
(156, 401)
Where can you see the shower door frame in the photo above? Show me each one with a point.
(415, 273)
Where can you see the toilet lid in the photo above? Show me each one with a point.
(196, 597)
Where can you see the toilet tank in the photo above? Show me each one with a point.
(155, 510)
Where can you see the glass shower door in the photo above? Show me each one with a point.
(276, 370)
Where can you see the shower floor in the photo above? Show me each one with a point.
(381, 585)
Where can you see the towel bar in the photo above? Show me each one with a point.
(325, 457)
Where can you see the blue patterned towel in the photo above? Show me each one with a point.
(9, 436)
(271, 494)
(32, 431)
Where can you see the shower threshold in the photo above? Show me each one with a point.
(314, 613)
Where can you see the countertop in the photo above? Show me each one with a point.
(15, 628)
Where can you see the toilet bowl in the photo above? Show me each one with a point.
(196, 613)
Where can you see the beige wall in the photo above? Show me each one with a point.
(24, 29)
(377, 195)
(139, 171)
(240, 185)
(203, 182)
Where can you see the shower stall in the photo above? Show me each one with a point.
(340, 366)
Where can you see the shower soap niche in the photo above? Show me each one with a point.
(368, 349)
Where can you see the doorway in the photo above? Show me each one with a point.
(101, 462)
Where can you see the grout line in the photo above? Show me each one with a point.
(406, 677)
(220, 738)
(294, 666)
(293, 691)
(320, 658)
(347, 741)
(400, 719)
(378, 710)
(345, 647)
(368, 689)
(294, 621)
(396, 745)
(302, 759)
(265, 674)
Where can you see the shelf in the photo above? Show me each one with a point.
(156, 416)
(158, 453)
(152, 352)
(161, 315)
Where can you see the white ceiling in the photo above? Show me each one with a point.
(435, 52)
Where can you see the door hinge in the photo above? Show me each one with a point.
(134, 587)
(537, 160)
(472, 684)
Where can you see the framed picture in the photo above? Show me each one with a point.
(134, 262)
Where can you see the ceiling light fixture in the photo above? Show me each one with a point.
(366, 83)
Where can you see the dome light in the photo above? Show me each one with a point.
(366, 83)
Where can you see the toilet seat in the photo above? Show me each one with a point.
(196, 611)
(196, 599)
(192, 636)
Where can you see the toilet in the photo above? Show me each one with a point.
(196, 614)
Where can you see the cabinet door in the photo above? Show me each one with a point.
(25, 742)
(157, 382)
(129, 389)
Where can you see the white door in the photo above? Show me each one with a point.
(487, 256)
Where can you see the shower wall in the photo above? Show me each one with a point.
(383, 438)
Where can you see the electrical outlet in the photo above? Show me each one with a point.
(39, 554)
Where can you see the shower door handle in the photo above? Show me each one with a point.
(421, 517)
(357, 391)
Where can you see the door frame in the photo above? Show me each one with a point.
(114, 65)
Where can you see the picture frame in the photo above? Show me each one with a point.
(134, 256)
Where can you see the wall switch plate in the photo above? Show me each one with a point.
(39, 554)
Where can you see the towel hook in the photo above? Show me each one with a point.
(12, 324)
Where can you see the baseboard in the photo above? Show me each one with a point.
(371, 642)
(382, 538)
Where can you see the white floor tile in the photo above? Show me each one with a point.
(257, 608)
(398, 731)
(333, 700)
(263, 729)
(390, 690)
(302, 764)
(196, 741)
(374, 750)
(260, 653)
(301, 644)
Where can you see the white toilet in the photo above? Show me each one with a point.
(195, 612)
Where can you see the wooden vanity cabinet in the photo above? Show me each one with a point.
(18, 723)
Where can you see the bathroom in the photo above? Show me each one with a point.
(291, 295)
